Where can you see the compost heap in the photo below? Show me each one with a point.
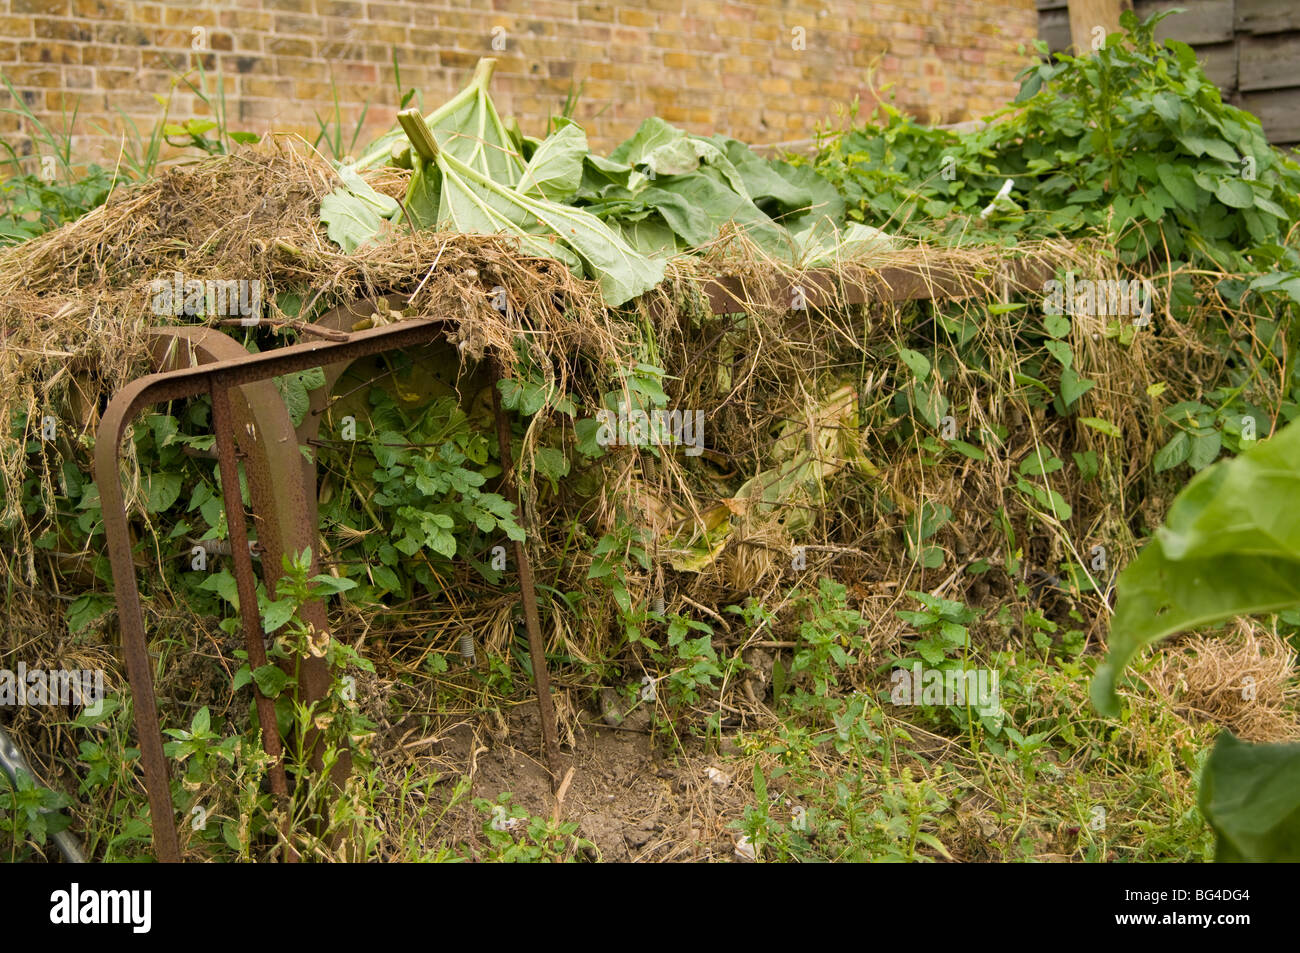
(588, 277)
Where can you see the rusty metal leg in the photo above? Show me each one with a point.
(162, 815)
(528, 598)
(246, 582)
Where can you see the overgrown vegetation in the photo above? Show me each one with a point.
(874, 593)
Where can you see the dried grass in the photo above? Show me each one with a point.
(1244, 681)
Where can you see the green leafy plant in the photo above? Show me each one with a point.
(32, 812)
(1133, 139)
(514, 836)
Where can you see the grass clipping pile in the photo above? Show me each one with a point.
(820, 453)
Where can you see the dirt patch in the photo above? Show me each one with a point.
(632, 800)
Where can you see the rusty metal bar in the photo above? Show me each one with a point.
(528, 597)
(245, 583)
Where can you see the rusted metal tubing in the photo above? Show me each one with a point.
(166, 843)
(245, 583)
(528, 597)
(246, 587)
(125, 405)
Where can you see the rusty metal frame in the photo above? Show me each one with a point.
(218, 379)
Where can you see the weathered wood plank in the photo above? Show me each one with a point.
(1206, 21)
(1220, 64)
(1268, 62)
(1267, 16)
(1087, 15)
(1054, 29)
(1278, 111)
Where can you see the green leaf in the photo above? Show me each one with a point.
(270, 680)
(1103, 426)
(86, 609)
(1057, 325)
(1217, 148)
(697, 205)
(275, 614)
(1061, 351)
(1073, 386)
(526, 397)
(471, 202)
(161, 488)
(1087, 463)
(1035, 464)
(354, 213)
(294, 390)
(1250, 794)
(1204, 450)
(1234, 193)
(967, 450)
(918, 362)
(650, 135)
(1178, 182)
(224, 585)
(555, 170)
(1172, 453)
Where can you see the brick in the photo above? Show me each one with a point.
(78, 77)
(289, 46)
(53, 8)
(602, 12)
(44, 51)
(313, 70)
(391, 12)
(145, 13)
(122, 34)
(106, 78)
(16, 28)
(637, 18)
(340, 8)
(42, 77)
(68, 30)
(267, 88)
(247, 20)
(110, 56)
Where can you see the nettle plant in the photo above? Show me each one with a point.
(1132, 140)
(410, 496)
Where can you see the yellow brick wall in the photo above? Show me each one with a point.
(764, 72)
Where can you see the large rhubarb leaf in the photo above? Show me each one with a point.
(471, 202)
